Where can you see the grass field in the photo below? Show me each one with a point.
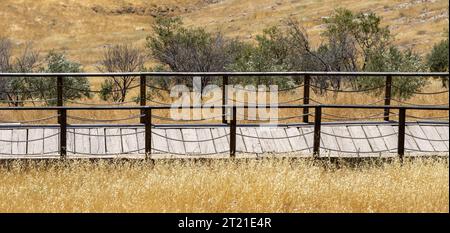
(267, 185)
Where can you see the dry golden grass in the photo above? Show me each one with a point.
(266, 185)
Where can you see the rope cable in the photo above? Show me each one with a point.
(106, 120)
(31, 121)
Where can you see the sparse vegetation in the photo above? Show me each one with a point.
(351, 42)
(284, 47)
(108, 22)
(367, 45)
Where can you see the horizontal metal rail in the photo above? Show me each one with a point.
(396, 107)
(213, 125)
(220, 74)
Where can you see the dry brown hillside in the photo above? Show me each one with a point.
(83, 27)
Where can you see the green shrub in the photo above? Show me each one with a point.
(391, 61)
(183, 49)
(73, 87)
(437, 60)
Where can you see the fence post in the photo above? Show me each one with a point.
(59, 93)
(317, 124)
(62, 120)
(401, 133)
(148, 132)
(143, 95)
(233, 133)
(306, 87)
(224, 98)
(387, 96)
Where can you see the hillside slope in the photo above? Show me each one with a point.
(83, 28)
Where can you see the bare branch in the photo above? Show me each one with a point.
(121, 58)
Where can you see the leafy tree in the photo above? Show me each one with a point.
(270, 54)
(390, 61)
(189, 49)
(350, 40)
(277, 50)
(73, 87)
(354, 38)
(358, 42)
(19, 90)
(437, 60)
